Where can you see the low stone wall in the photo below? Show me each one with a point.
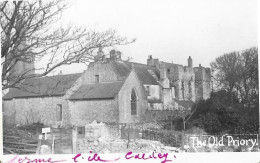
(121, 146)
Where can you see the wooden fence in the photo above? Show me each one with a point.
(19, 145)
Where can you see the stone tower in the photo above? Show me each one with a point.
(24, 66)
(202, 82)
(165, 83)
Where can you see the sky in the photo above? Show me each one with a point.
(171, 30)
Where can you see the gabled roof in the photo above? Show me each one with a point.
(123, 68)
(43, 86)
(97, 91)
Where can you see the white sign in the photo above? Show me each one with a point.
(46, 130)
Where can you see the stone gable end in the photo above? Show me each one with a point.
(124, 96)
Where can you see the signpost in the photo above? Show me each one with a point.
(45, 131)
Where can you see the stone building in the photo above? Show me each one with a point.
(111, 91)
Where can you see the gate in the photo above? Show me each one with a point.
(62, 140)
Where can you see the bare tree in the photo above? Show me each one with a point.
(29, 34)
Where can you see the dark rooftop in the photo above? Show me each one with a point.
(43, 86)
(123, 68)
(97, 91)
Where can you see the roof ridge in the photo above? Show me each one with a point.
(103, 82)
(172, 63)
(55, 76)
(43, 77)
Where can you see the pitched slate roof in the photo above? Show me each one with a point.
(44, 86)
(97, 91)
(58, 85)
(123, 68)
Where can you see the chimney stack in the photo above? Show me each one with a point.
(118, 55)
(152, 62)
(112, 54)
(190, 64)
(163, 74)
(104, 59)
(99, 55)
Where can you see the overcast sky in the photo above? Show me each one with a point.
(171, 30)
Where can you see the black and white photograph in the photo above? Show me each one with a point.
(147, 79)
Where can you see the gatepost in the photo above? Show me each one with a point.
(74, 139)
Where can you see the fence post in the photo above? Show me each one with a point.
(52, 146)
(74, 139)
(128, 138)
(182, 139)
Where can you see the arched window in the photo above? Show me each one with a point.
(133, 103)
(182, 89)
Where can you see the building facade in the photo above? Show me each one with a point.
(111, 91)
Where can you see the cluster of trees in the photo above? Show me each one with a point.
(238, 74)
(233, 107)
(30, 33)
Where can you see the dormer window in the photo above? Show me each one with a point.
(96, 78)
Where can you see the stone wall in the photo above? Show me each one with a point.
(32, 110)
(104, 70)
(154, 92)
(124, 97)
(99, 139)
(202, 82)
(182, 78)
(85, 112)
(119, 146)
(9, 112)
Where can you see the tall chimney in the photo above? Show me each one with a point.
(99, 55)
(112, 54)
(163, 74)
(152, 62)
(118, 55)
(190, 64)
(100, 51)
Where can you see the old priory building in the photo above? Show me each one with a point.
(110, 91)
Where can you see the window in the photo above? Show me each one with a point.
(147, 90)
(133, 103)
(96, 78)
(168, 70)
(42, 99)
(81, 131)
(182, 88)
(190, 89)
(151, 106)
(58, 112)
